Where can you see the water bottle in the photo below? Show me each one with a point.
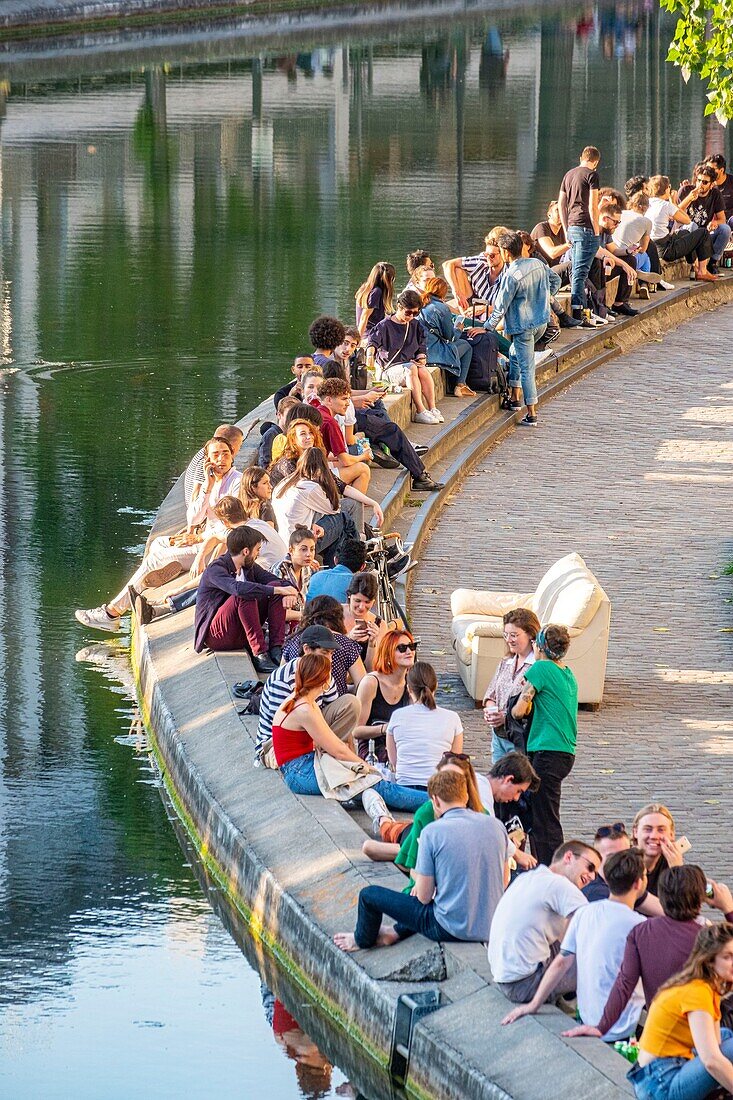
(371, 756)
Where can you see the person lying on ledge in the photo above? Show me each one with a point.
(236, 596)
(461, 874)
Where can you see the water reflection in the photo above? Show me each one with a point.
(166, 236)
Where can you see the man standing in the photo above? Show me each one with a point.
(459, 878)
(523, 303)
(236, 596)
(531, 919)
(595, 941)
(578, 205)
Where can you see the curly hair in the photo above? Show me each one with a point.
(326, 333)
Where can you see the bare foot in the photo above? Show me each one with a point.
(386, 937)
(346, 941)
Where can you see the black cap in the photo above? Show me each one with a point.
(318, 637)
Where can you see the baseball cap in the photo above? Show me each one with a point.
(318, 637)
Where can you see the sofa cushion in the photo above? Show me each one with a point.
(474, 601)
(568, 594)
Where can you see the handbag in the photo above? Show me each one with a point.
(517, 730)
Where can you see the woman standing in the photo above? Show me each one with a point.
(418, 735)
(384, 690)
(521, 627)
(445, 347)
(298, 728)
(682, 1055)
(374, 297)
(552, 690)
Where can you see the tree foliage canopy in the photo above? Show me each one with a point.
(703, 44)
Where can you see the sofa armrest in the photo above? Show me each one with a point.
(473, 601)
(486, 628)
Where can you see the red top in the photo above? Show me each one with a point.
(290, 744)
(333, 437)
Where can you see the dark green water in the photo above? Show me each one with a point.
(166, 238)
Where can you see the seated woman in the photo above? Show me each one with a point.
(312, 490)
(521, 627)
(384, 690)
(298, 728)
(362, 624)
(374, 297)
(170, 555)
(682, 1052)
(300, 437)
(346, 661)
(297, 569)
(255, 491)
(444, 346)
(419, 734)
(399, 343)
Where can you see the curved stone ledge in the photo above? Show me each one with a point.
(292, 867)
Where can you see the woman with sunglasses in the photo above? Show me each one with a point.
(551, 690)
(419, 734)
(401, 352)
(521, 627)
(384, 690)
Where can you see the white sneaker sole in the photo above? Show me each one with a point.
(112, 627)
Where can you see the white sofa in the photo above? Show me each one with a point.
(568, 594)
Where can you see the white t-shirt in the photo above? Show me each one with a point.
(421, 737)
(298, 505)
(348, 419)
(660, 214)
(631, 229)
(487, 801)
(532, 915)
(597, 937)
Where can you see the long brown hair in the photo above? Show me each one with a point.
(700, 966)
(251, 503)
(313, 670)
(423, 683)
(382, 276)
(462, 762)
(312, 466)
(291, 450)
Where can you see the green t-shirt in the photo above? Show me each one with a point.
(407, 855)
(555, 722)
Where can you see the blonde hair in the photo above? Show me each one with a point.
(652, 808)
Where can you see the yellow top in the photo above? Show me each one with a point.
(666, 1032)
(278, 446)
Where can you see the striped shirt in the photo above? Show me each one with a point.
(278, 685)
(346, 653)
(479, 276)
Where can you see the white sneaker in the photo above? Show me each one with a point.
(599, 320)
(424, 417)
(665, 286)
(437, 416)
(541, 357)
(376, 807)
(98, 618)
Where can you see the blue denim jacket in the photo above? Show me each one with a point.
(523, 300)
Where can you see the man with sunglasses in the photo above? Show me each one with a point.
(708, 211)
(532, 917)
(609, 841)
(483, 274)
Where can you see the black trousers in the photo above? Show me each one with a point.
(693, 242)
(376, 425)
(547, 834)
(598, 277)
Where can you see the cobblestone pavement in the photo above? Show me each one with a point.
(632, 467)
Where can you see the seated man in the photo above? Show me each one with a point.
(195, 473)
(236, 596)
(271, 434)
(595, 942)
(350, 558)
(707, 210)
(460, 876)
(724, 183)
(653, 832)
(532, 917)
(301, 363)
(609, 219)
(420, 267)
(476, 276)
(340, 711)
(609, 840)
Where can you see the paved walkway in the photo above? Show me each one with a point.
(633, 468)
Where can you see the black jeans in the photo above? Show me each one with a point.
(377, 426)
(690, 243)
(547, 834)
(411, 916)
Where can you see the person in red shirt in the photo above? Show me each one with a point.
(333, 399)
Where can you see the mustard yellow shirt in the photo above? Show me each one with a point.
(278, 446)
(667, 1032)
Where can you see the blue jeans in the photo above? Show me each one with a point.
(678, 1078)
(300, 777)
(500, 746)
(584, 245)
(521, 362)
(720, 237)
(643, 263)
(409, 913)
(184, 600)
(465, 353)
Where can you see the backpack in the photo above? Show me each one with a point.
(486, 374)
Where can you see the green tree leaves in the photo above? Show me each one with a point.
(703, 44)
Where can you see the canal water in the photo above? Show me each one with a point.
(167, 234)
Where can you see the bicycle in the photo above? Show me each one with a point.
(388, 561)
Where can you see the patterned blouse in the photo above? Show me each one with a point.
(508, 680)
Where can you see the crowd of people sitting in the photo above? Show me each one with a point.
(274, 560)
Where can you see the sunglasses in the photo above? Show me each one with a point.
(454, 756)
(410, 312)
(617, 829)
(592, 869)
(405, 647)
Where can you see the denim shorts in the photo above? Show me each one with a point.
(652, 1082)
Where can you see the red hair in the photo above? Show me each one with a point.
(384, 660)
(313, 670)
